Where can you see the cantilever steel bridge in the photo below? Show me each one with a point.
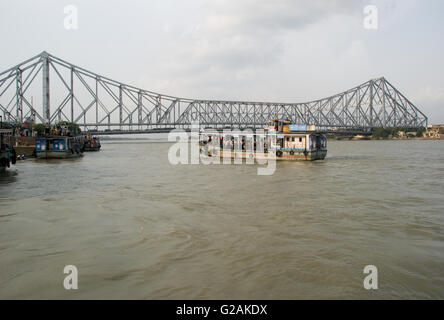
(66, 92)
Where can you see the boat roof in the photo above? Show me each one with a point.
(57, 137)
(237, 133)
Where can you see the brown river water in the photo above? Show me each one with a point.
(137, 227)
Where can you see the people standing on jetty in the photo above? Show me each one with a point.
(58, 131)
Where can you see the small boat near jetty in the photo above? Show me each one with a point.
(7, 152)
(91, 143)
(281, 140)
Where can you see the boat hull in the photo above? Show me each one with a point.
(57, 154)
(283, 156)
(91, 149)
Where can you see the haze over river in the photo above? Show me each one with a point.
(138, 227)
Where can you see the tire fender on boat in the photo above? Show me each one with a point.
(14, 156)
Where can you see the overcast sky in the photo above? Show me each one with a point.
(288, 50)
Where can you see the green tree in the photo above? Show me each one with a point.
(73, 127)
(420, 132)
(39, 128)
(381, 133)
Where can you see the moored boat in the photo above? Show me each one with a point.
(7, 152)
(58, 147)
(91, 143)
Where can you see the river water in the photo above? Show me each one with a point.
(137, 227)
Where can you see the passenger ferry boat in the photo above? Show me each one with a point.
(59, 147)
(281, 140)
(7, 152)
(91, 143)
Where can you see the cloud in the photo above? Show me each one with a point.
(239, 33)
(271, 16)
(430, 94)
(227, 43)
(430, 100)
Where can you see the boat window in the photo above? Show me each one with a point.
(300, 139)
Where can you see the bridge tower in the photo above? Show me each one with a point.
(45, 89)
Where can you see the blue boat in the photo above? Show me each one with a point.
(58, 147)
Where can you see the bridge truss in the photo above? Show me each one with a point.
(48, 89)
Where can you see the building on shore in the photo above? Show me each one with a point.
(434, 131)
(404, 135)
